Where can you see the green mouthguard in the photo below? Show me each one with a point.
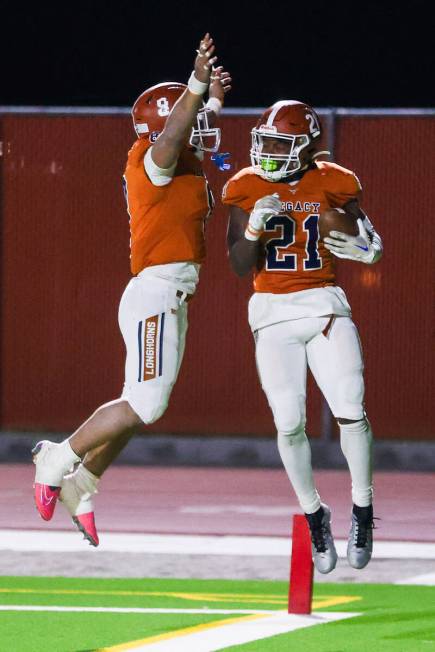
(269, 165)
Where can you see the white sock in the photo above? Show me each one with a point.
(53, 461)
(78, 489)
(85, 480)
(295, 453)
(356, 444)
(65, 455)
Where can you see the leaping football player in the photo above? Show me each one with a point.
(169, 202)
(298, 314)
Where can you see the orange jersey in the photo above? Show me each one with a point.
(292, 257)
(166, 222)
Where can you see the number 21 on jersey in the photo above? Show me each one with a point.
(276, 259)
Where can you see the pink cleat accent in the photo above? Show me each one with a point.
(86, 524)
(45, 499)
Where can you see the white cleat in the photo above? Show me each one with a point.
(78, 502)
(48, 470)
(360, 543)
(322, 542)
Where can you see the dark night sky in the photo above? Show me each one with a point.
(358, 54)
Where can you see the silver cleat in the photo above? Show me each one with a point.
(322, 542)
(360, 544)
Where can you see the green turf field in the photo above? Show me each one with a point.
(392, 618)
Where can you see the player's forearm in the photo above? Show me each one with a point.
(243, 256)
(213, 109)
(212, 118)
(179, 123)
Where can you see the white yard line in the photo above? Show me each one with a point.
(427, 579)
(252, 625)
(218, 636)
(135, 610)
(57, 541)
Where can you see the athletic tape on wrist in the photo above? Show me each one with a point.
(195, 86)
(251, 233)
(214, 104)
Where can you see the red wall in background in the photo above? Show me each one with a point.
(65, 264)
(393, 302)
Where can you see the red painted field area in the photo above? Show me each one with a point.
(224, 501)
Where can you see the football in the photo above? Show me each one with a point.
(337, 219)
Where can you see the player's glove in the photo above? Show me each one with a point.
(264, 208)
(351, 247)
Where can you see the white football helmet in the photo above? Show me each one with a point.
(294, 123)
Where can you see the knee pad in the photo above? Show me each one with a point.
(291, 427)
(348, 403)
(291, 438)
(149, 406)
(288, 412)
(148, 413)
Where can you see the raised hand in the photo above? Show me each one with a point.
(220, 83)
(205, 59)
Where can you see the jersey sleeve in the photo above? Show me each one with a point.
(342, 186)
(236, 193)
(138, 185)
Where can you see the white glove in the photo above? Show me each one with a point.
(352, 247)
(264, 208)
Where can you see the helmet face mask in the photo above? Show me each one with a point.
(204, 137)
(282, 140)
(152, 108)
(274, 165)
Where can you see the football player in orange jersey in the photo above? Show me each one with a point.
(297, 313)
(169, 201)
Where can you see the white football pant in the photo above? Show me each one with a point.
(153, 322)
(333, 352)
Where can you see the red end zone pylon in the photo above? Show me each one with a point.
(301, 568)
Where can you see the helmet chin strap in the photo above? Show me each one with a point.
(290, 178)
(300, 173)
(323, 152)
